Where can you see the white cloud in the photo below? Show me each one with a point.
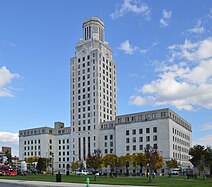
(206, 127)
(134, 6)
(137, 100)
(186, 83)
(166, 16)
(198, 28)
(127, 47)
(5, 79)
(9, 139)
(206, 140)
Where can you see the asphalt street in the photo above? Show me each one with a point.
(21, 183)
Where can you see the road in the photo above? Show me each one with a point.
(22, 183)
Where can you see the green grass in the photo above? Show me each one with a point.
(163, 181)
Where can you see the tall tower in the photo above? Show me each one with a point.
(93, 89)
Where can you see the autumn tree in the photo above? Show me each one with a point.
(76, 165)
(30, 161)
(94, 161)
(140, 160)
(125, 161)
(110, 160)
(154, 161)
(172, 164)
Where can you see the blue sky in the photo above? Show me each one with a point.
(163, 51)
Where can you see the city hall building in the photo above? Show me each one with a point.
(94, 122)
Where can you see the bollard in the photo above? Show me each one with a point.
(87, 182)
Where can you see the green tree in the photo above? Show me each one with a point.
(9, 157)
(41, 165)
(110, 160)
(199, 155)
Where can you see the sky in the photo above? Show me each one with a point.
(163, 52)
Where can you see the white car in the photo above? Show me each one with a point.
(82, 172)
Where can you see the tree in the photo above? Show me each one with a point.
(30, 160)
(94, 161)
(110, 160)
(77, 165)
(199, 154)
(154, 161)
(125, 161)
(9, 157)
(140, 159)
(41, 165)
(172, 164)
(208, 155)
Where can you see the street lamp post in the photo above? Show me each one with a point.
(52, 163)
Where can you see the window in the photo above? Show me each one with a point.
(134, 147)
(134, 139)
(147, 146)
(105, 137)
(127, 140)
(147, 138)
(127, 148)
(147, 130)
(111, 137)
(155, 146)
(140, 139)
(141, 147)
(134, 131)
(127, 132)
(155, 138)
(140, 131)
(154, 129)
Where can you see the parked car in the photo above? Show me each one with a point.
(175, 172)
(7, 170)
(2, 173)
(81, 172)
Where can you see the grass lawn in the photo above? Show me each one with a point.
(163, 181)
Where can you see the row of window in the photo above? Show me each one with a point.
(63, 141)
(181, 134)
(108, 151)
(140, 139)
(32, 142)
(33, 147)
(179, 121)
(180, 141)
(140, 131)
(139, 147)
(180, 149)
(141, 117)
(32, 153)
(63, 159)
(180, 156)
(39, 131)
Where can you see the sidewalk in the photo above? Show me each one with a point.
(55, 184)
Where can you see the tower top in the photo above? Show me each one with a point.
(93, 29)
